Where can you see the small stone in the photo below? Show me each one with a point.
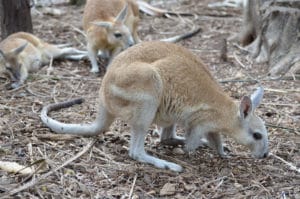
(152, 192)
(109, 133)
(178, 151)
(189, 187)
(238, 185)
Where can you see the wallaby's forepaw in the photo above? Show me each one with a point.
(224, 154)
(15, 85)
(95, 70)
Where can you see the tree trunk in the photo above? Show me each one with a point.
(77, 2)
(271, 32)
(15, 16)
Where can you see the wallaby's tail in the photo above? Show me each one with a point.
(182, 36)
(154, 11)
(63, 128)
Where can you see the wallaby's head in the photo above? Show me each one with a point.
(118, 33)
(251, 130)
(10, 62)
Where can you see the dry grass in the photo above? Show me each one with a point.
(105, 170)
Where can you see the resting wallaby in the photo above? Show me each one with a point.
(111, 27)
(22, 53)
(165, 84)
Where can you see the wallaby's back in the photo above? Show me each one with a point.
(26, 36)
(185, 79)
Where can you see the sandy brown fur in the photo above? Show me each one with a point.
(98, 36)
(165, 84)
(22, 53)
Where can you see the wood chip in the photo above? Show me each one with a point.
(168, 189)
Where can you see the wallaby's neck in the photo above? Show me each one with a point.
(226, 117)
(222, 113)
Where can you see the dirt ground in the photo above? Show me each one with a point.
(106, 171)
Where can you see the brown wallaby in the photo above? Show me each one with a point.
(165, 84)
(22, 53)
(111, 27)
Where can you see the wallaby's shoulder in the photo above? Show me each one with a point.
(156, 52)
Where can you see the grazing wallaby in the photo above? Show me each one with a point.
(165, 84)
(22, 53)
(111, 27)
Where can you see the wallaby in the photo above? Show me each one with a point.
(22, 53)
(111, 27)
(163, 83)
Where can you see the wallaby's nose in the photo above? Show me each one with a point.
(131, 44)
(266, 154)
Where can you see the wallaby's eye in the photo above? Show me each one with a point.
(118, 35)
(257, 136)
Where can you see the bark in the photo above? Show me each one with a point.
(77, 2)
(271, 30)
(14, 17)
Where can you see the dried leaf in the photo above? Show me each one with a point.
(15, 168)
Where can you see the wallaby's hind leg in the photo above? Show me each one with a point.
(137, 151)
(141, 123)
(76, 57)
(53, 51)
(169, 137)
(65, 52)
(62, 45)
(74, 51)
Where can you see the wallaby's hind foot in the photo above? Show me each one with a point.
(138, 153)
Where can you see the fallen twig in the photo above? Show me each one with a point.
(44, 176)
(286, 78)
(56, 137)
(132, 187)
(291, 166)
(243, 67)
(282, 127)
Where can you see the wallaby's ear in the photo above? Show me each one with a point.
(123, 13)
(103, 24)
(245, 107)
(18, 50)
(257, 96)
